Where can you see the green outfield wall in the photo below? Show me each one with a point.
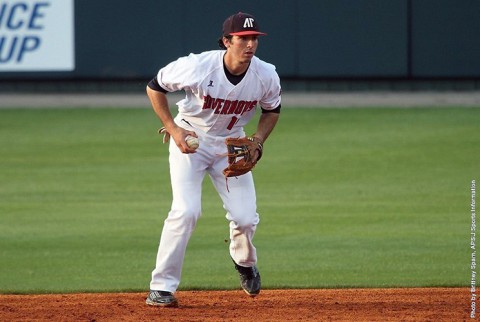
(307, 39)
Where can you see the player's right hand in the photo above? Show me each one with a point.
(179, 134)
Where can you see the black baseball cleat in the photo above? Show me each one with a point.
(249, 279)
(161, 298)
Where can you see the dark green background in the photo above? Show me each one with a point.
(414, 39)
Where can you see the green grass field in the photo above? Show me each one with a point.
(347, 198)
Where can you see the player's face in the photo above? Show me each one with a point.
(243, 48)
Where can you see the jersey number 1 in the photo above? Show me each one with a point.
(232, 122)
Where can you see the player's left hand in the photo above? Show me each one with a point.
(242, 156)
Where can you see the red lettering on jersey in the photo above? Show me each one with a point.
(224, 107)
(233, 107)
(249, 106)
(207, 102)
(240, 107)
(217, 105)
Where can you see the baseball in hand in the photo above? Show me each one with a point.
(192, 142)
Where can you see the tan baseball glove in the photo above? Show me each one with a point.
(241, 155)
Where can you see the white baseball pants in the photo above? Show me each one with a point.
(187, 172)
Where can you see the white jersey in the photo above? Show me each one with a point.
(213, 104)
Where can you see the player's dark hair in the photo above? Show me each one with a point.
(220, 41)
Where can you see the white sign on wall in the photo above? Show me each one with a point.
(37, 35)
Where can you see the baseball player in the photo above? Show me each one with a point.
(222, 91)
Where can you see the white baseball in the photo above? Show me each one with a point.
(192, 142)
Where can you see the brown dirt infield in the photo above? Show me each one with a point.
(404, 304)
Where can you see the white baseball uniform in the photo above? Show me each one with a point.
(214, 109)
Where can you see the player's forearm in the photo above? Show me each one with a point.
(266, 124)
(160, 106)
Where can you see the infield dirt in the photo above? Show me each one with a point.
(404, 304)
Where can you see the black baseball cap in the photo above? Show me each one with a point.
(241, 24)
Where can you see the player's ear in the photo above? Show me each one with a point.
(221, 44)
(227, 41)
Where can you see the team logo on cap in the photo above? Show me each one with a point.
(248, 23)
